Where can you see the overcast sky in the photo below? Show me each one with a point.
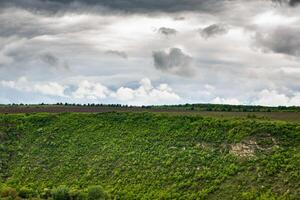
(150, 52)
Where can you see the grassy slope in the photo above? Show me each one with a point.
(151, 156)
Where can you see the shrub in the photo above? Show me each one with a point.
(96, 193)
(61, 193)
(76, 195)
(9, 192)
(82, 196)
(46, 194)
(3, 136)
(25, 192)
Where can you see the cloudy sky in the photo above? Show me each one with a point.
(150, 52)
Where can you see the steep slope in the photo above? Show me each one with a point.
(151, 156)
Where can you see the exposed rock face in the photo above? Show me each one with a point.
(248, 148)
(244, 149)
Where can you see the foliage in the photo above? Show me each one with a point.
(61, 193)
(26, 192)
(96, 193)
(9, 192)
(229, 108)
(148, 156)
(189, 107)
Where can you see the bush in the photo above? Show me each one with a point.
(61, 193)
(9, 192)
(25, 192)
(3, 136)
(96, 193)
(77, 195)
(46, 194)
(82, 196)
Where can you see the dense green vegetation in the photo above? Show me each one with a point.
(147, 156)
(187, 107)
(230, 108)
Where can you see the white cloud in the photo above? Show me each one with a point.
(125, 94)
(22, 84)
(295, 101)
(230, 101)
(273, 98)
(146, 93)
(89, 90)
(209, 88)
(270, 18)
(51, 88)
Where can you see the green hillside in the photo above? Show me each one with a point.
(147, 156)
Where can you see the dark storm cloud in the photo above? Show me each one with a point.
(49, 59)
(283, 40)
(139, 6)
(213, 30)
(289, 2)
(20, 23)
(53, 61)
(167, 31)
(8, 28)
(173, 61)
(121, 54)
(294, 2)
(22, 53)
(126, 6)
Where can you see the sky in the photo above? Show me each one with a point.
(145, 52)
